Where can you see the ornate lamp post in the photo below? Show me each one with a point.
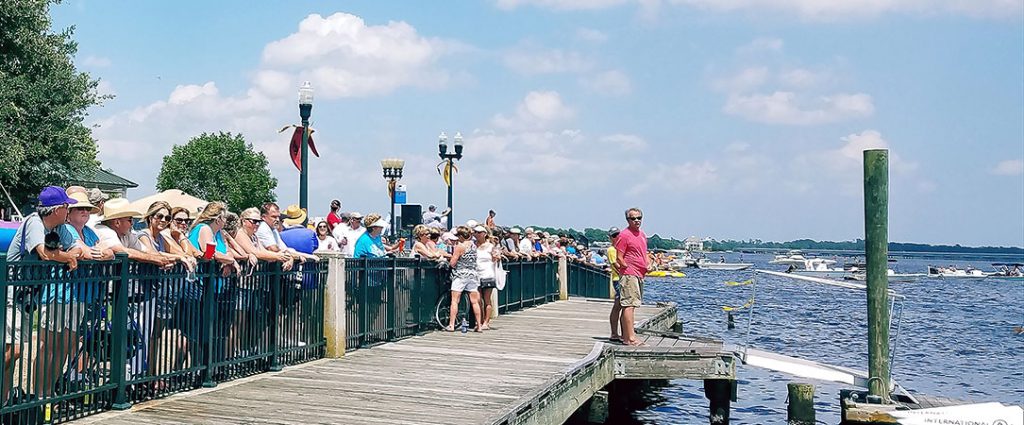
(305, 108)
(442, 149)
(392, 173)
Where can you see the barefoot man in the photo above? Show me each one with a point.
(631, 261)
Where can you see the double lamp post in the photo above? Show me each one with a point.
(392, 173)
(442, 151)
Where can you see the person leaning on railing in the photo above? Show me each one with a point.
(206, 230)
(246, 239)
(33, 241)
(425, 244)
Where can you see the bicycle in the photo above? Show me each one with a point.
(442, 309)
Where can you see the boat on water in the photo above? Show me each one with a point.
(665, 273)
(791, 258)
(1008, 271)
(953, 272)
(704, 264)
(821, 268)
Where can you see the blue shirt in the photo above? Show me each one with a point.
(68, 236)
(218, 237)
(571, 250)
(369, 247)
(300, 239)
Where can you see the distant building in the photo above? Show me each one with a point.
(108, 182)
(693, 243)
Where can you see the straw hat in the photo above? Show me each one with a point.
(83, 202)
(119, 208)
(294, 216)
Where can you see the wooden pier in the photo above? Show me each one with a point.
(538, 367)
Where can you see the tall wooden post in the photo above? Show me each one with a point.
(876, 248)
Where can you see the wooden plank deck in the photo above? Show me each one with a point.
(438, 378)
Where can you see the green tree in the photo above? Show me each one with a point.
(219, 167)
(43, 102)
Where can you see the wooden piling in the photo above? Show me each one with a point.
(597, 408)
(801, 404)
(719, 395)
(876, 248)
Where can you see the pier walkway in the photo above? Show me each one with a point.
(539, 366)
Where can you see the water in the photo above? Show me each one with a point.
(956, 339)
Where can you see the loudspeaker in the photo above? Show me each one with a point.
(412, 215)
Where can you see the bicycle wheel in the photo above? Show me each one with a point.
(442, 313)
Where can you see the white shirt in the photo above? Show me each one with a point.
(328, 244)
(108, 238)
(526, 246)
(484, 262)
(270, 237)
(350, 235)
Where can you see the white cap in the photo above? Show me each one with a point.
(448, 236)
(479, 228)
(379, 223)
(515, 230)
(472, 223)
(529, 230)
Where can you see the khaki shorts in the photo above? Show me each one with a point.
(57, 317)
(12, 330)
(629, 291)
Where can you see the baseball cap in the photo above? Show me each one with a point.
(52, 196)
(479, 228)
(613, 231)
(515, 230)
(472, 223)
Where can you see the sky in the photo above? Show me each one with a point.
(727, 119)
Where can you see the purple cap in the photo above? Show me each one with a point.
(53, 196)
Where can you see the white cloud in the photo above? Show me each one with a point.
(628, 142)
(561, 4)
(762, 44)
(819, 10)
(529, 60)
(104, 88)
(538, 110)
(591, 35)
(609, 83)
(96, 62)
(803, 78)
(785, 107)
(747, 79)
(1010, 167)
(849, 157)
(345, 57)
(685, 177)
(850, 9)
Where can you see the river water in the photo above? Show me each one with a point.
(956, 338)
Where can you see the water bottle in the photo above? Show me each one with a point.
(465, 326)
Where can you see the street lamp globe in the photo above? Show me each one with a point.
(442, 143)
(458, 144)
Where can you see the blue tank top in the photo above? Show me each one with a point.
(218, 237)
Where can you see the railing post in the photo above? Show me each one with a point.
(391, 316)
(118, 343)
(209, 304)
(335, 325)
(364, 304)
(563, 279)
(275, 313)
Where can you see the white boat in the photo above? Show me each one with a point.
(792, 258)
(955, 273)
(820, 267)
(704, 264)
(1008, 271)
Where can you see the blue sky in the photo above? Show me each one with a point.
(726, 118)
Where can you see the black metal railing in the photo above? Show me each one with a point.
(587, 280)
(110, 334)
(528, 283)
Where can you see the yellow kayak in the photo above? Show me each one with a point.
(665, 273)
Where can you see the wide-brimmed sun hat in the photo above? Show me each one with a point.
(294, 216)
(119, 208)
(379, 223)
(83, 202)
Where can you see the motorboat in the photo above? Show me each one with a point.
(953, 272)
(1008, 271)
(704, 264)
(792, 258)
(822, 268)
(666, 273)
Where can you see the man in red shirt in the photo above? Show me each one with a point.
(334, 217)
(631, 263)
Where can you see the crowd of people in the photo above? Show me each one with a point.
(74, 224)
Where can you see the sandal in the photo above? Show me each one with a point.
(448, 329)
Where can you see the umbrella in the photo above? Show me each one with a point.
(175, 197)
